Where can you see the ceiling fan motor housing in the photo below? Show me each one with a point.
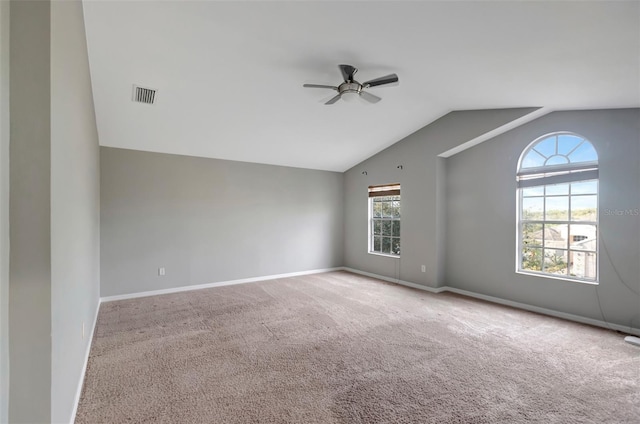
(350, 87)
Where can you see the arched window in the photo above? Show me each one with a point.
(558, 208)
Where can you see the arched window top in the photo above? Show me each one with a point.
(556, 158)
(558, 150)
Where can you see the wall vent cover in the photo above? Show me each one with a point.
(144, 95)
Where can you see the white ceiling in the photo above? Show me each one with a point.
(229, 75)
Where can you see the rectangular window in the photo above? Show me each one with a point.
(558, 230)
(384, 219)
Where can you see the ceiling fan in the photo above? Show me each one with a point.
(350, 87)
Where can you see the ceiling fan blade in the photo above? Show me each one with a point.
(333, 100)
(387, 79)
(369, 97)
(320, 86)
(347, 72)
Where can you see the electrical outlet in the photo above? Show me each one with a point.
(161, 271)
(423, 268)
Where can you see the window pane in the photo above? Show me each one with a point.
(557, 208)
(583, 237)
(556, 189)
(566, 143)
(386, 228)
(546, 147)
(555, 235)
(533, 191)
(532, 207)
(377, 209)
(584, 208)
(386, 245)
(585, 187)
(377, 246)
(584, 153)
(555, 261)
(396, 209)
(396, 246)
(531, 259)
(557, 160)
(532, 159)
(396, 229)
(583, 265)
(531, 235)
(377, 227)
(387, 210)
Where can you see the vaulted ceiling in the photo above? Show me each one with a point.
(229, 75)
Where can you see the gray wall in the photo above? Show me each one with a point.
(481, 218)
(54, 209)
(4, 211)
(75, 206)
(208, 220)
(30, 257)
(422, 179)
(458, 214)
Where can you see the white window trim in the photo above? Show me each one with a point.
(385, 255)
(558, 277)
(586, 171)
(370, 229)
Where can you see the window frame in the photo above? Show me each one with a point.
(392, 190)
(549, 176)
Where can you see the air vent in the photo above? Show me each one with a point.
(144, 95)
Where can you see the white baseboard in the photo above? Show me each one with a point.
(526, 307)
(217, 284)
(545, 311)
(84, 366)
(395, 280)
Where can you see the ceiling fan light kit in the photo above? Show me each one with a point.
(351, 88)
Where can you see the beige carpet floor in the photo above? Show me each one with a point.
(342, 348)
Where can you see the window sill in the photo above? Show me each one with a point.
(386, 255)
(556, 277)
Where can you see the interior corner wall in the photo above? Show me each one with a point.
(441, 219)
(75, 207)
(30, 255)
(481, 218)
(209, 220)
(422, 179)
(4, 211)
